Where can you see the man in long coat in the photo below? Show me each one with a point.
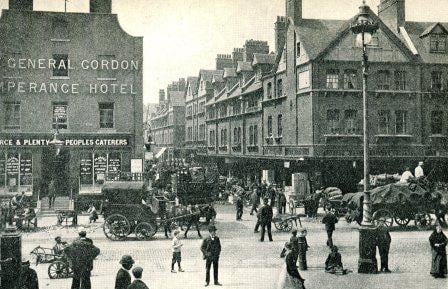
(383, 243)
(211, 249)
(266, 215)
(123, 279)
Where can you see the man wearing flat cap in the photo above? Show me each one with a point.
(137, 283)
(211, 249)
(123, 279)
(28, 278)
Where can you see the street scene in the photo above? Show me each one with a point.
(284, 144)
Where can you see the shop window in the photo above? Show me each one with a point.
(384, 122)
(350, 81)
(333, 79)
(279, 88)
(333, 121)
(438, 43)
(16, 171)
(401, 122)
(95, 168)
(350, 124)
(12, 171)
(26, 169)
(400, 80)
(269, 126)
(106, 115)
(113, 165)
(437, 122)
(61, 65)
(60, 119)
(12, 114)
(383, 80)
(86, 169)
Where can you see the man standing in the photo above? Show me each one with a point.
(51, 194)
(330, 220)
(418, 172)
(281, 202)
(255, 199)
(266, 215)
(123, 279)
(211, 249)
(383, 243)
(239, 207)
(81, 253)
(29, 278)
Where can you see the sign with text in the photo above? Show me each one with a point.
(68, 142)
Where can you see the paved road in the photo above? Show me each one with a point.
(245, 262)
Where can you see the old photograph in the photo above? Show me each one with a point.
(241, 144)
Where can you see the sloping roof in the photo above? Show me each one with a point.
(254, 86)
(431, 28)
(244, 66)
(415, 31)
(260, 58)
(193, 82)
(217, 78)
(207, 75)
(229, 72)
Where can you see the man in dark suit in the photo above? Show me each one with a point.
(330, 221)
(123, 279)
(29, 278)
(81, 253)
(137, 283)
(383, 243)
(266, 215)
(211, 249)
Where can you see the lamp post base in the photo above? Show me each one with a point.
(367, 262)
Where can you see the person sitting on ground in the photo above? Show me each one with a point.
(333, 264)
(93, 214)
(138, 283)
(59, 247)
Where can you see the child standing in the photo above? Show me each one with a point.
(176, 245)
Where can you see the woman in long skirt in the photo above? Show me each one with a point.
(438, 242)
(290, 277)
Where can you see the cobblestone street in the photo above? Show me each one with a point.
(245, 262)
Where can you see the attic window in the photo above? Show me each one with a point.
(438, 43)
(298, 49)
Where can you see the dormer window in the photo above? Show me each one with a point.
(298, 49)
(438, 43)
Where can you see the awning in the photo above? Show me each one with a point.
(160, 153)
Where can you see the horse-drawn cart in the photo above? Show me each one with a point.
(59, 267)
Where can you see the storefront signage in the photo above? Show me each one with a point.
(12, 166)
(69, 142)
(61, 87)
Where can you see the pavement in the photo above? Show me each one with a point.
(245, 262)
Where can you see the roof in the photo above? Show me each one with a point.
(207, 75)
(193, 82)
(254, 86)
(218, 78)
(260, 58)
(244, 66)
(229, 72)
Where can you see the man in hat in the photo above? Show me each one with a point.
(266, 215)
(81, 253)
(28, 278)
(59, 247)
(123, 279)
(330, 221)
(383, 243)
(137, 283)
(418, 172)
(83, 235)
(211, 249)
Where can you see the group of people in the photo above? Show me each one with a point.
(123, 278)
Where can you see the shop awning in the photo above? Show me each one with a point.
(160, 153)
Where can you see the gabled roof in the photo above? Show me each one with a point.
(244, 66)
(431, 28)
(207, 75)
(192, 81)
(260, 58)
(229, 72)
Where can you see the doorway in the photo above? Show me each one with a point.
(56, 168)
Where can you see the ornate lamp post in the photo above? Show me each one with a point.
(55, 142)
(364, 28)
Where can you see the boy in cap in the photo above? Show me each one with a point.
(137, 283)
(176, 245)
(211, 249)
(123, 279)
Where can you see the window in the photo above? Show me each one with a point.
(95, 166)
(255, 135)
(211, 113)
(195, 108)
(279, 125)
(383, 80)
(438, 43)
(251, 136)
(60, 119)
(236, 108)
(350, 124)
(189, 133)
(223, 137)
(401, 122)
(333, 79)
(269, 126)
(333, 121)
(189, 110)
(60, 29)
(212, 138)
(269, 90)
(384, 122)
(437, 122)
(304, 79)
(350, 81)
(436, 80)
(298, 49)
(201, 131)
(61, 65)
(16, 171)
(235, 135)
(400, 80)
(201, 107)
(106, 115)
(279, 88)
(12, 114)
(223, 111)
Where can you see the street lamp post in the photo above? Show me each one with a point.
(364, 28)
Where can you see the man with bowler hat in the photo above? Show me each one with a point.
(123, 279)
(266, 215)
(211, 249)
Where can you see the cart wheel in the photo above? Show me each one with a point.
(58, 270)
(145, 231)
(116, 227)
(279, 225)
(287, 227)
(402, 221)
(383, 217)
(423, 221)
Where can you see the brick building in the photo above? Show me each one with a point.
(80, 74)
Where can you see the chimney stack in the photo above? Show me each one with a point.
(161, 96)
(280, 33)
(223, 61)
(254, 46)
(24, 5)
(101, 6)
(393, 13)
(237, 55)
(294, 10)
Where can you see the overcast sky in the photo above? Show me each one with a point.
(183, 36)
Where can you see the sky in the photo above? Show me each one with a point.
(183, 36)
